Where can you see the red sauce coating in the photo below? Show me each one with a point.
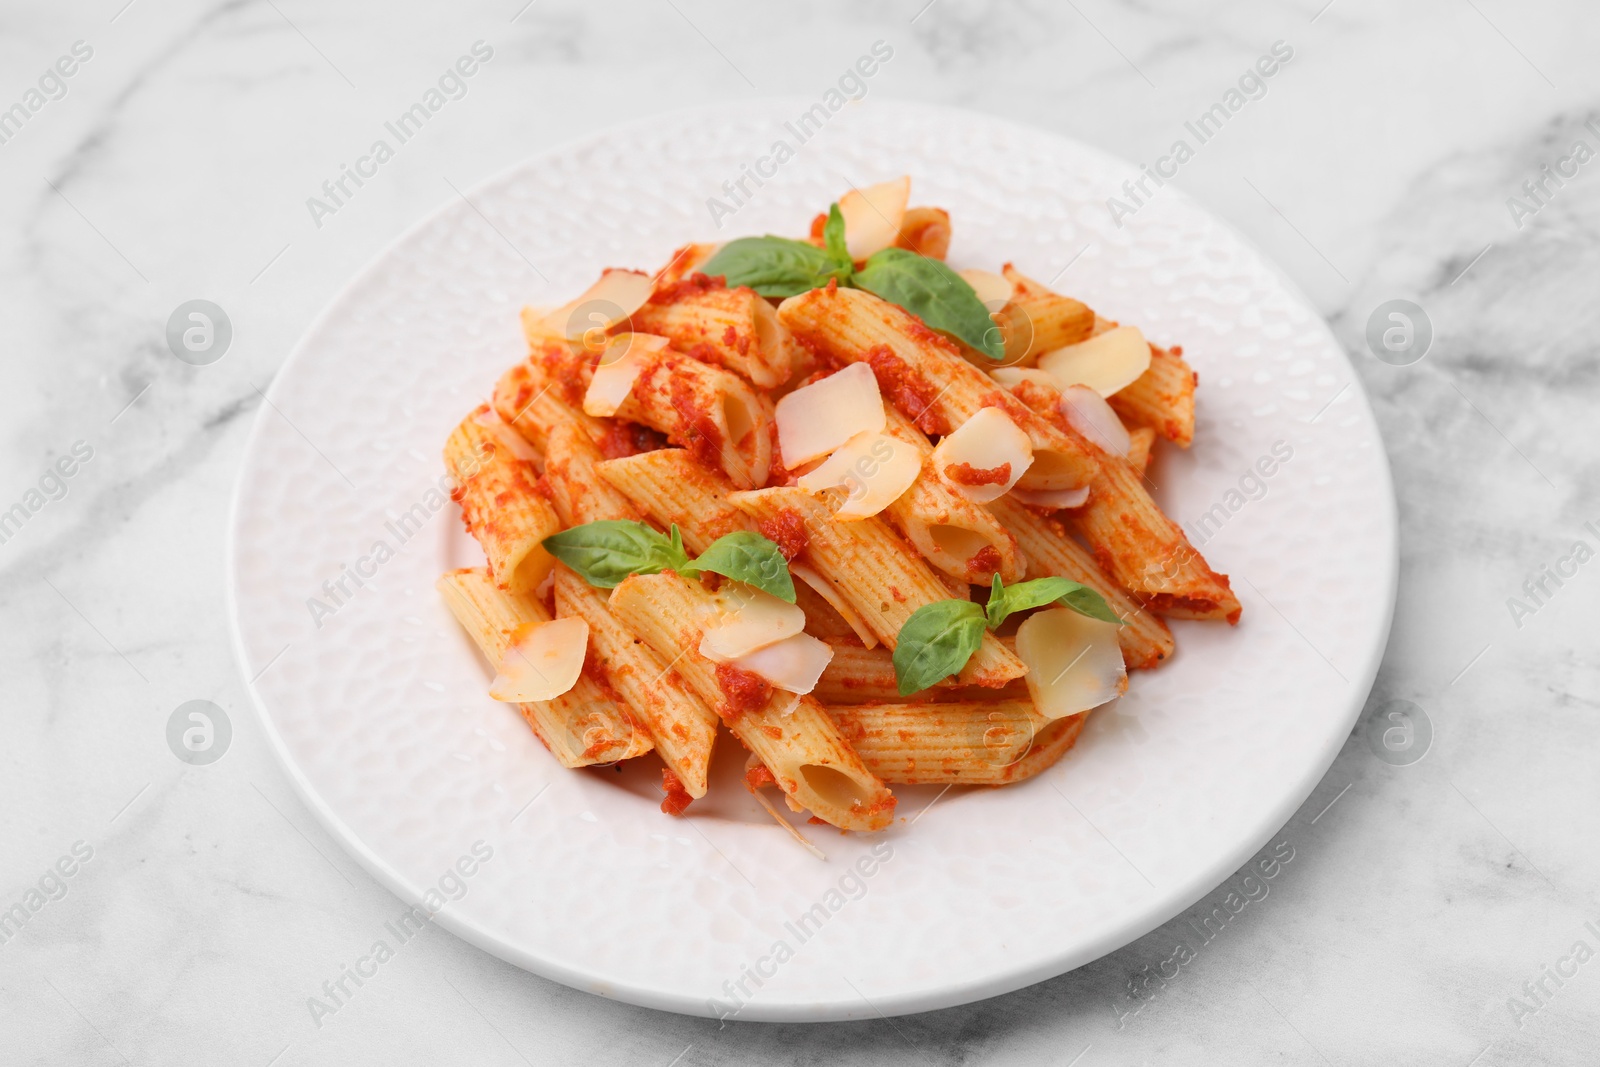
(696, 431)
(623, 439)
(1042, 400)
(920, 330)
(906, 390)
(967, 474)
(787, 530)
(742, 691)
(984, 562)
(758, 776)
(704, 353)
(677, 797)
(697, 282)
(1016, 409)
(565, 369)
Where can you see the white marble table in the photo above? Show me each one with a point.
(175, 163)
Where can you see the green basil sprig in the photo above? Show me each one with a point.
(780, 267)
(939, 638)
(749, 558)
(934, 293)
(1006, 600)
(935, 643)
(604, 553)
(833, 240)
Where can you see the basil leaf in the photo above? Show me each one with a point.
(935, 643)
(774, 266)
(1086, 601)
(833, 238)
(749, 558)
(1007, 600)
(934, 293)
(604, 553)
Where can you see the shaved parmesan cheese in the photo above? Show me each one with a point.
(612, 299)
(506, 435)
(874, 469)
(818, 418)
(872, 216)
(793, 664)
(985, 456)
(994, 290)
(620, 365)
(1105, 362)
(542, 661)
(1074, 663)
(1089, 414)
(1011, 377)
(1053, 499)
(830, 592)
(747, 619)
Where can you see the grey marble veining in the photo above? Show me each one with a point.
(1422, 901)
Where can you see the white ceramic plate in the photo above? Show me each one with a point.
(379, 711)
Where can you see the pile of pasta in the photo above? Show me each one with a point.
(884, 522)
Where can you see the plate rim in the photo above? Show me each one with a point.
(923, 998)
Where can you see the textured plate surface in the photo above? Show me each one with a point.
(376, 702)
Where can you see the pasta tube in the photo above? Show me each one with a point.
(876, 573)
(499, 501)
(925, 376)
(792, 736)
(582, 726)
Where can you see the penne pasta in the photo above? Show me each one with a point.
(499, 500)
(792, 736)
(958, 537)
(529, 398)
(685, 262)
(1161, 398)
(967, 743)
(875, 572)
(581, 727)
(732, 328)
(669, 487)
(1141, 439)
(723, 422)
(642, 426)
(682, 727)
(857, 675)
(578, 492)
(822, 618)
(924, 375)
(1050, 744)
(1144, 639)
(1038, 320)
(1145, 552)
